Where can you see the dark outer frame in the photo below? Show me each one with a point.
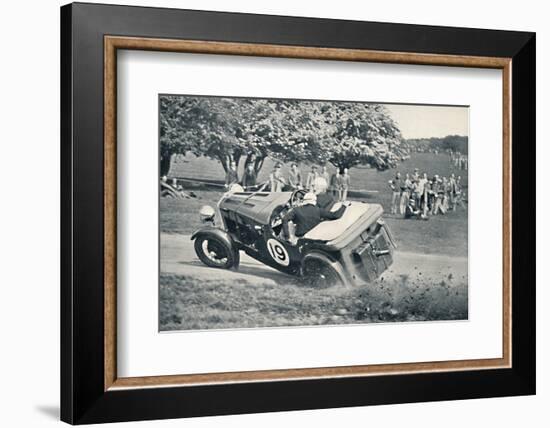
(83, 396)
(114, 43)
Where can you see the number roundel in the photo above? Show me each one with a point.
(278, 252)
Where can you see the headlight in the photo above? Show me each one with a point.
(207, 213)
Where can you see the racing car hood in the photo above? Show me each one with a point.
(257, 206)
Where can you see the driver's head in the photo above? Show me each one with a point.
(320, 185)
(309, 199)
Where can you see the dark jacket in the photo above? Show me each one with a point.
(325, 201)
(306, 217)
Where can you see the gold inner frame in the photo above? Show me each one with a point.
(113, 43)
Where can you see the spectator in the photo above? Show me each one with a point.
(346, 181)
(437, 187)
(311, 177)
(413, 212)
(295, 177)
(335, 183)
(426, 196)
(416, 175)
(395, 185)
(249, 176)
(406, 189)
(453, 191)
(325, 174)
(231, 176)
(276, 180)
(421, 189)
(459, 194)
(445, 190)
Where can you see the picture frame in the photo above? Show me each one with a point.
(91, 391)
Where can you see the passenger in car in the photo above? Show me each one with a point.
(306, 216)
(325, 200)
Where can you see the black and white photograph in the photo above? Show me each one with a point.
(289, 212)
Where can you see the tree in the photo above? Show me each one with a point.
(199, 125)
(456, 143)
(360, 133)
(230, 129)
(226, 129)
(344, 134)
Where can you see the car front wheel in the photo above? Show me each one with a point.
(215, 252)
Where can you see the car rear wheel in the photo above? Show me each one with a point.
(215, 252)
(321, 272)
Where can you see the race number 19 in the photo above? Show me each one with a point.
(278, 252)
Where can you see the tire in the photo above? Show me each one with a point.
(215, 252)
(321, 272)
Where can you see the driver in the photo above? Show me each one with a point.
(301, 219)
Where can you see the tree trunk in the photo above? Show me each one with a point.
(165, 165)
(237, 159)
(223, 160)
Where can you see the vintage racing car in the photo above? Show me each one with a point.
(352, 250)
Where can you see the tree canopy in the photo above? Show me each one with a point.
(344, 134)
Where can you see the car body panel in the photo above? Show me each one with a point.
(362, 245)
(257, 206)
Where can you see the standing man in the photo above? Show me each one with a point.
(311, 177)
(406, 189)
(423, 189)
(431, 191)
(334, 184)
(436, 195)
(325, 174)
(249, 176)
(459, 195)
(395, 186)
(346, 181)
(453, 191)
(231, 176)
(416, 175)
(445, 190)
(295, 177)
(276, 180)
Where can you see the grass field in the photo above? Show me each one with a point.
(440, 235)
(189, 303)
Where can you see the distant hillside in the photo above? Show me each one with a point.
(456, 143)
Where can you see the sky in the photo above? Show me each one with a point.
(419, 121)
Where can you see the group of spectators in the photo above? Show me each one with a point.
(337, 182)
(417, 197)
(458, 160)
